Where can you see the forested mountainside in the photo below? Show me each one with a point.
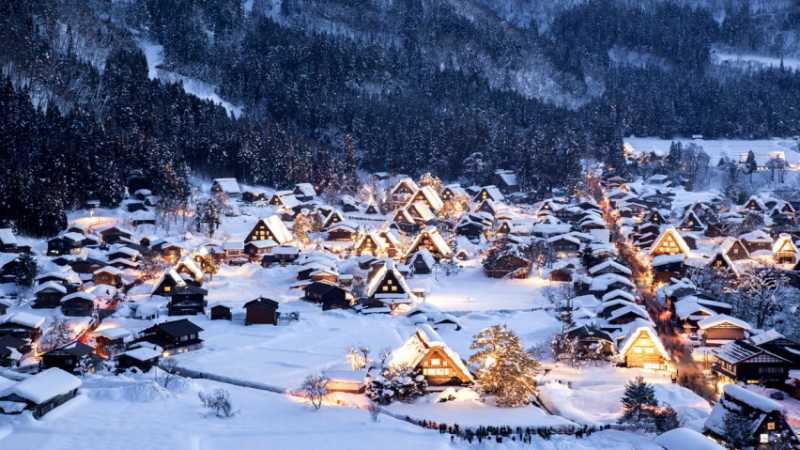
(454, 87)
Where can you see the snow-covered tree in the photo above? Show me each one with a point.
(504, 368)
(737, 427)
(59, 333)
(400, 383)
(430, 180)
(219, 403)
(639, 404)
(454, 208)
(761, 294)
(26, 271)
(356, 357)
(315, 388)
(211, 264)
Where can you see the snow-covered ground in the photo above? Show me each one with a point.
(155, 58)
(715, 149)
(720, 57)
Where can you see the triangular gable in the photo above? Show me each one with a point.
(334, 217)
(669, 242)
(431, 239)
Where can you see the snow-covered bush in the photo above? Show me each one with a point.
(402, 383)
(219, 403)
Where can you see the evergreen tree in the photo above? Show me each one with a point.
(505, 369)
(750, 164)
(26, 271)
(737, 428)
(639, 404)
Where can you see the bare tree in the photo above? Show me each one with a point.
(219, 402)
(169, 371)
(315, 388)
(384, 355)
(357, 360)
(374, 410)
(59, 333)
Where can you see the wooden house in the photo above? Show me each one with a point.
(251, 195)
(40, 393)
(170, 252)
(371, 244)
(111, 234)
(77, 304)
(506, 181)
(188, 300)
(643, 348)
(73, 358)
(690, 222)
(12, 350)
(178, 336)
(721, 329)
(722, 264)
(271, 228)
(110, 341)
(284, 199)
(757, 240)
(108, 275)
(450, 191)
(470, 229)
(431, 240)
(86, 266)
(733, 249)
(765, 419)
(188, 266)
(489, 192)
(65, 244)
(372, 209)
(333, 218)
(427, 352)
(234, 253)
(669, 242)
(509, 265)
(754, 204)
(256, 250)
(402, 192)
(344, 231)
(329, 295)
(49, 295)
(420, 213)
(429, 197)
(487, 206)
(168, 283)
(785, 251)
(591, 341)
(565, 245)
(740, 361)
(8, 242)
(143, 358)
(422, 261)
(22, 325)
(227, 186)
(221, 311)
(262, 311)
(305, 192)
(387, 285)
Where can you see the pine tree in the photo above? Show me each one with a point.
(750, 164)
(639, 404)
(737, 427)
(26, 270)
(505, 370)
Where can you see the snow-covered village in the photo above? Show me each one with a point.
(649, 312)
(400, 224)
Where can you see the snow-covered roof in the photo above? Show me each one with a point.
(432, 197)
(44, 386)
(436, 238)
(686, 439)
(670, 231)
(263, 243)
(422, 211)
(287, 199)
(494, 192)
(113, 333)
(602, 282)
(756, 236)
(108, 269)
(375, 282)
(71, 236)
(347, 225)
(7, 236)
(612, 264)
(142, 353)
(426, 256)
(228, 185)
(630, 308)
(285, 250)
(24, 319)
(767, 336)
(738, 351)
(190, 264)
(759, 402)
(307, 189)
(408, 182)
(662, 260)
(508, 177)
(232, 245)
(172, 273)
(415, 348)
(280, 233)
(50, 285)
(78, 294)
(619, 293)
(784, 243)
(712, 321)
(636, 327)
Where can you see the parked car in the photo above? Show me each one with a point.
(777, 395)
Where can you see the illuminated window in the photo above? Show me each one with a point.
(764, 438)
(637, 350)
(394, 288)
(650, 350)
(771, 426)
(436, 361)
(167, 288)
(385, 288)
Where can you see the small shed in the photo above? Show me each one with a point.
(262, 311)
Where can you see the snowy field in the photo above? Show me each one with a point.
(717, 148)
(139, 415)
(738, 60)
(155, 57)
